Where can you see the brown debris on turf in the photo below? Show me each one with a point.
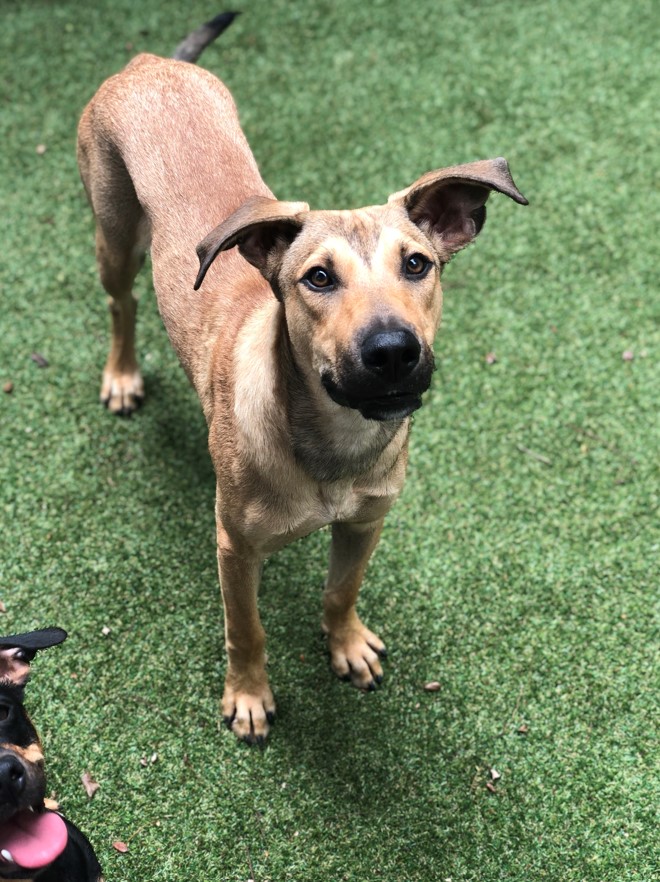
(90, 785)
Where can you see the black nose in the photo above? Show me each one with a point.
(392, 355)
(12, 778)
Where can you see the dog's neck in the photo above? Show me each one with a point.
(329, 441)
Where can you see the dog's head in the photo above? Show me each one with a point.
(361, 289)
(30, 838)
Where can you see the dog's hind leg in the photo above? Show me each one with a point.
(121, 241)
(355, 651)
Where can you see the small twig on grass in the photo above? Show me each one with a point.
(510, 717)
(537, 456)
(249, 860)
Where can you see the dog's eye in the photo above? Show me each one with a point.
(318, 279)
(417, 265)
(5, 710)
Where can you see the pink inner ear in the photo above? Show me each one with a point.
(13, 667)
(454, 212)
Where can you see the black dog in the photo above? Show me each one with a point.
(35, 843)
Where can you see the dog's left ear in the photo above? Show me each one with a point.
(262, 228)
(18, 650)
(449, 204)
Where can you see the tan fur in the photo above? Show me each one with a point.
(13, 666)
(164, 161)
(32, 754)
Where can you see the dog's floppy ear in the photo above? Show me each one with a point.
(449, 204)
(18, 650)
(262, 228)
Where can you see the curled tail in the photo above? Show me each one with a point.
(196, 42)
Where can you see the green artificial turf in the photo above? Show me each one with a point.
(520, 566)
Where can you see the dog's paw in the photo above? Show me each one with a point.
(355, 654)
(249, 714)
(122, 392)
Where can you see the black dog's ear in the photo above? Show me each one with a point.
(449, 204)
(18, 650)
(262, 228)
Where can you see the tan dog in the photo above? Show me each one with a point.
(309, 344)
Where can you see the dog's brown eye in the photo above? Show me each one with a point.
(417, 265)
(318, 279)
(4, 712)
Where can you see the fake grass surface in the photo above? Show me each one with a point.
(519, 568)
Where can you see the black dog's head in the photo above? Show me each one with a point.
(30, 837)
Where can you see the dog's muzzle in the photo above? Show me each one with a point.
(30, 838)
(385, 377)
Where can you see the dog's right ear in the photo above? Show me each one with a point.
(18, 650)
(262, 228)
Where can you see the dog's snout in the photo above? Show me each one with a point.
(12, 778)
(392, 355)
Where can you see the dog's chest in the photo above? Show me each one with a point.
(273, 525)
(343, 501)
(338, 502)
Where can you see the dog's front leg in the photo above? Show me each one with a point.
(247, 704)
(355, 652)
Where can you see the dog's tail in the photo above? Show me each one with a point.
(196, 42)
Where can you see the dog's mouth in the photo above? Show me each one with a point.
(390, 406)
(31, 839)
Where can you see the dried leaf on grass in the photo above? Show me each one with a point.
(144, 762)
(120, 846)
(39, 360)
(90, 785)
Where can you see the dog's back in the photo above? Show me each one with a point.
(163, 184)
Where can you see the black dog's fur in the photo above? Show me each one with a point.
(22, 779)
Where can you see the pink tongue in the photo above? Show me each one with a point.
(34, 839)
